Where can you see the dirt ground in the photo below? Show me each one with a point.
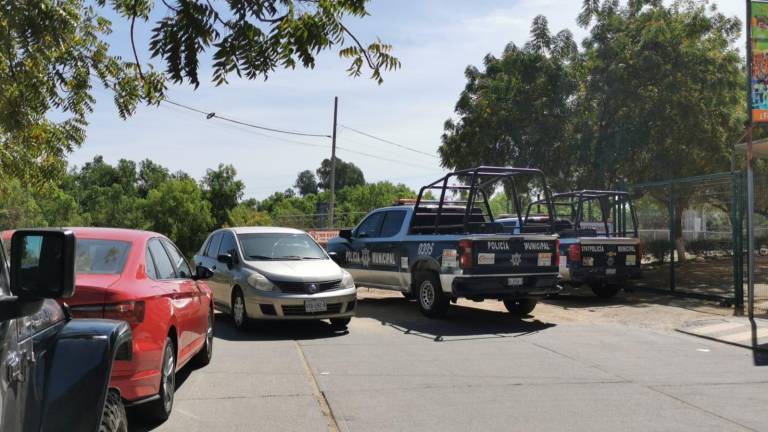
(633, 308)
(712, 276)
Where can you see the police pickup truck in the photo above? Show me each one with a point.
(437, 251)
(596, 245)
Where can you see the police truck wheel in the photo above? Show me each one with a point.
(605, 290)
(521, 307)
(432, 301)
(113, 419)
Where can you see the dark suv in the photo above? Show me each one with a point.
(54, 371)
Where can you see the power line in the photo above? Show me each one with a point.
(306, 144)
(210, 115)
(387, 141)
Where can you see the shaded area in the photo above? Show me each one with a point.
(461, 322)
(273, 330)
(736, 331)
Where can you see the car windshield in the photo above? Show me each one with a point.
(279, 246)
(101, 256)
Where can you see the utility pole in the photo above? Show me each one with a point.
(333, 163)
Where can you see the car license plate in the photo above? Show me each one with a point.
(315, 305)
(515, 281)
(610, 271)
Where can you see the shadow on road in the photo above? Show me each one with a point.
(461, 322)
(583, 298)
(274, 330)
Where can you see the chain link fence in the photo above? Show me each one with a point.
(693, 230)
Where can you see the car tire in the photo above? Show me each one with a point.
(605, 290)
(239, 311)
(113, 419)
(340, 323)
(433, 303)
(158, 410)
(520, 307)
(204, 356)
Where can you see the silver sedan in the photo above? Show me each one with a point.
(268, 273)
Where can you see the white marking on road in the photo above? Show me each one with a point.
(702, 349)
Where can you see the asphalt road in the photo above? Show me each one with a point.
(479, 370)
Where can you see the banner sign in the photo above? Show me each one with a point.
(758, 31)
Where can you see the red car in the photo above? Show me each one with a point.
(142, 278)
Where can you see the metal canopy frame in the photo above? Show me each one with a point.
(476, 180)
(576, 199)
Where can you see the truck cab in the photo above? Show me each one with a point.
(599, 242)
(437, 251)
(54, 371)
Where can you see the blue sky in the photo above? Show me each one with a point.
(435, 40)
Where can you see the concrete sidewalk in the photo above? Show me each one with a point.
(739, 331)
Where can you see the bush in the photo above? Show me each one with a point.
(657, 248)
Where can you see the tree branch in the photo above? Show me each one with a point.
(133, 42)
(360, 45)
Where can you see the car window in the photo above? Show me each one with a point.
(179, 262)
(213, 245)
(393, 221)
(163, 266)
(279, 246)
(370, 226)
(228, 244)
(151, 272)
(95, 256)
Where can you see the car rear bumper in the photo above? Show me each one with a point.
(134, 384)
(499, 287)
(278, 306)
(599, 274)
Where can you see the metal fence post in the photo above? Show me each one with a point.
(736, 243)
(671, 236)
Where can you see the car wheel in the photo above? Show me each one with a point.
(113, 419)
(160, 409)
(203, 357)
(239, 312)
(521, 307)
(340, 323)
(605, 290)
(432, 301)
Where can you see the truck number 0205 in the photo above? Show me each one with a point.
(426, 248)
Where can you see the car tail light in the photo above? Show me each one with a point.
(131, 312)
(465, 260)
(556, 255)
(574, 253)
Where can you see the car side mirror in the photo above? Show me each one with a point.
(335, 257)
(42, 264)
(345, 233)
(225, 258)
(202, 272)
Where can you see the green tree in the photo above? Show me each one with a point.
(306, 183)
(246, 215)
(347, 174)
(517, 110)
(151, 175)
(178, 209)
(54, 52)
(663, 94)
(223, 191)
